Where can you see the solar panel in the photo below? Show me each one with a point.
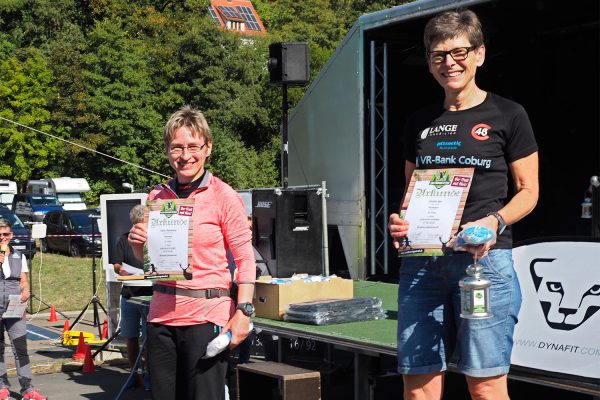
(230, 12)
(213, 14)
(249, 17)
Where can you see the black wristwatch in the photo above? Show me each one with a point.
(247, 309)
(501, 222)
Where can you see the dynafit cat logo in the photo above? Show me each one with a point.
(168, 209)
(440, 179)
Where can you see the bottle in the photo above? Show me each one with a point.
(220, 343)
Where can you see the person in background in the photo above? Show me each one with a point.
(133, 317)
(14, 281)
(185, 315)
(493, 135)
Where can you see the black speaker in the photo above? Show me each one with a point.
(288, 63)
(288, 229)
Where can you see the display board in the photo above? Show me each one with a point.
(114, 221)
(559, 321)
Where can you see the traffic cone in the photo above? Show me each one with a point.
(65, 327)
(105, 330)
(88, 362)
(52, 314)
(80, 352)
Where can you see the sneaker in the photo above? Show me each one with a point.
(33, 394)
(146, 381)
(4, 393)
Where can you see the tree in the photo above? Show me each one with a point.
(24, 89)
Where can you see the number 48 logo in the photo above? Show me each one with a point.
(480, 131)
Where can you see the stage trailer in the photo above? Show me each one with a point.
(346, 130)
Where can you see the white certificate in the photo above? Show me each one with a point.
(167, 254)
(433, 205)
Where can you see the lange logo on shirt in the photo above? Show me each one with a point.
(480, 131)
(439, 130)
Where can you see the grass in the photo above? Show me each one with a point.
(66, 282)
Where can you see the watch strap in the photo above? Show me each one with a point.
(501, 222)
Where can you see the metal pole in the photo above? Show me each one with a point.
(595, 185)
(385, 160)
(373, 176)
(284, 132)
(325, 234)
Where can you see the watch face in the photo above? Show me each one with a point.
(247, 308)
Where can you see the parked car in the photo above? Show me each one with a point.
(22, 239)
(33, 207)
(70, 231)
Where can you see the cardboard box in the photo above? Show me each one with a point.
(272, 299)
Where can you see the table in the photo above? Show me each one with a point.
(368, 339)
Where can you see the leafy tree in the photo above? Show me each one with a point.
(24, 89)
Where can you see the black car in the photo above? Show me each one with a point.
(22, 240)
(70, 231)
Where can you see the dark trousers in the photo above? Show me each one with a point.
(177, 370)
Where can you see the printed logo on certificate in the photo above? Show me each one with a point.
(433, 204)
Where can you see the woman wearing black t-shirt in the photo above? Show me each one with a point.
(471, 128)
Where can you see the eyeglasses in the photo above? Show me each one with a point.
(193, 149)
(5, 234)
(457, 54)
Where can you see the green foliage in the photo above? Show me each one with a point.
(24, 88)
(106, 74)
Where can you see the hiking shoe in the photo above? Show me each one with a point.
(33, 394)
(4, 393)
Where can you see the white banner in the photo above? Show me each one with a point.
(559, 321)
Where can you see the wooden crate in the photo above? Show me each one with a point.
(270, 380)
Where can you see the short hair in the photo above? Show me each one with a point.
(4, 223)
(450, 24)
(137, 214)
(190, 117)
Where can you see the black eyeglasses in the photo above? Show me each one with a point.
(193, 149)
(457, 54)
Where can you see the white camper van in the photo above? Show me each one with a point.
(8, 189)
(68, 190)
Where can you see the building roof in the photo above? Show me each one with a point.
(236, 15)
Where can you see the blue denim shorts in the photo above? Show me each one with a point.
(133, 319)
(431, 332)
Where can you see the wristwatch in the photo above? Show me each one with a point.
(501, 222)
(247, 309)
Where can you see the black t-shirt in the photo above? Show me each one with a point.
(124, 254)
(487, 137)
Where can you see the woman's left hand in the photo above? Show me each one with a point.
(239, 326)
(480, 251)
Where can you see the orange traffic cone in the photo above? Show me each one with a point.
(52, 315)
(88, 362)
(65, 327)
(105, 330)
(80, 352)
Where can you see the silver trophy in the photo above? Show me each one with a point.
(475, 293)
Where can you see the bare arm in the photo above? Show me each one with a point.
(24, 284)
(525, 175)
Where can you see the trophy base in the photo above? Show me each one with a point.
(476, 316)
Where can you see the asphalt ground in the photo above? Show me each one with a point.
(58, 376)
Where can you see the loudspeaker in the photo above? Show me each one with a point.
(287, 229)
(288, 63)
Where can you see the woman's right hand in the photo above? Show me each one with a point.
(398, 228)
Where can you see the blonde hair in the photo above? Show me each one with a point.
(191, 118)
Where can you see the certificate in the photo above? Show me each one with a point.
(15, 308)
(433, 204)
(167, 252)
